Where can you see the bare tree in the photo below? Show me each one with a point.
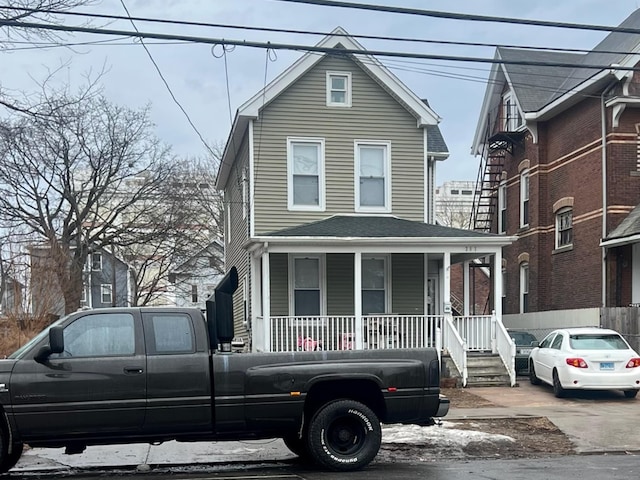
(71, 175)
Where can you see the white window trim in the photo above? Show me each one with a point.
(347, 102)
(227, 221)
(558, 214)
(387, 279)
(511, 124)
(244, 195)
(322, 281)
(387, 176)
(103, 289)
(321, 177)
(523, 198)
(524, 266)
(502, 206)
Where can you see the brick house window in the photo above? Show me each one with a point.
(504, 288)
(524, 198)
(511, 113)
(502, 207)
(564, 227)
(524, 287)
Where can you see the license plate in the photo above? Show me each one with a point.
(525, 351)
(606, 365)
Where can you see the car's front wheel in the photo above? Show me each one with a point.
(533, 378)
(558, 389)
(344, 435)
(630, 393)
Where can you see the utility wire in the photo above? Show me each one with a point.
(317, 33)
(464, 16)
(305, 48)
(166, 84)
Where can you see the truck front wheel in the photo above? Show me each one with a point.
(344, 435)
(9, 458)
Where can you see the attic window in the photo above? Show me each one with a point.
(512, 118)
(338, 89)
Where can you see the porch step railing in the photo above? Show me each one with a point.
(289, 334)
(456, 347)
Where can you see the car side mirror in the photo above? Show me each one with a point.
(56, 344)
(535, 344)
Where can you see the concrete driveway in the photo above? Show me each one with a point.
(594, 421)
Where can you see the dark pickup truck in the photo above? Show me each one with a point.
(127, 375)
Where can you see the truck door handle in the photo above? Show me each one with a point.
(133, 370)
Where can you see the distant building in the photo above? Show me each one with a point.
(454, 202)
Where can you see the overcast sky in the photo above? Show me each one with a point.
(198, 78)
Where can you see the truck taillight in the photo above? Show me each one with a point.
(577, 362)
(633, 363)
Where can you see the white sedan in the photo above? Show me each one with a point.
(585, 358)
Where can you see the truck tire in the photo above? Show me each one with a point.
(344, 435)
(9, 460)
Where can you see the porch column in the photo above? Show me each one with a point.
(266, 301)
(446, 294)
(465, 288)
(497, 283)
(357, 297)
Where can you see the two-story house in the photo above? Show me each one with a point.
(328, 179)
(559, 140)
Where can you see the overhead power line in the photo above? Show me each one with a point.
(464, 16)
(298, 47)
(304, 32)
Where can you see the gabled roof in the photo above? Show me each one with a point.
(542, 91)
(339, 38)
(379, 227)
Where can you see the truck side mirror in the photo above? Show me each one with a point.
(56, 344)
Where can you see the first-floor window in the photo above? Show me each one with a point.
(502, 207)
(106, 293)
(306, 286)
(564, 227)
(374, 294)
(524, 287)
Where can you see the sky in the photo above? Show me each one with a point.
(211, 84)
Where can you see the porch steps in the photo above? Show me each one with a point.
(484, 370)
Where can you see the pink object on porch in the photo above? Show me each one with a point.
(347, 342)
(308, 344)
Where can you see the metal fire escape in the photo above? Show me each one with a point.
(497, 145)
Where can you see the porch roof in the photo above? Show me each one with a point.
(627, 232)
(376, 226)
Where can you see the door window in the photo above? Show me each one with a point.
(172, 334)
(100, 335)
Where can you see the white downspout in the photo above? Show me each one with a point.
(603, 115)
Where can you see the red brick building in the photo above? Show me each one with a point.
(559, 140)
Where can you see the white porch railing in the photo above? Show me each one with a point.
(506, 348)
(476, 331)
(453, 343)
(289, 334)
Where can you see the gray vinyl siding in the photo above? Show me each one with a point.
(279, 284)
(340, 300)
(301, 111)
(407, 289)
(235, 253)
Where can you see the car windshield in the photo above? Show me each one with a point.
(598, 341)
(522, 338)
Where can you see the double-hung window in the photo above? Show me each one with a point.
(106, 293)
(307, 299)
(373, 177)
(564, 227)
(524, 198)
(502, 207)
(305, 160)
(374, 285)
(524, 287)
(338, 89)
(511, 113)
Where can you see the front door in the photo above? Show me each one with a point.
(97, 386)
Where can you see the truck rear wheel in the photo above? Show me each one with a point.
(8, 459)
(344, 435)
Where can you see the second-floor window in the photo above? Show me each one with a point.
(373, 182)
(502, 207)
(564, 227)
(524, 198)
(96, 261)
(305, 159)
(524, 287)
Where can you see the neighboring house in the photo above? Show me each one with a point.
(105, 281)
(195, 280)
(328, 179)
(12, 296)
(560, 170)
(454, 203)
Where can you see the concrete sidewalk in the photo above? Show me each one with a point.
(596, 422)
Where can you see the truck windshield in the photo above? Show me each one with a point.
(27, 346)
